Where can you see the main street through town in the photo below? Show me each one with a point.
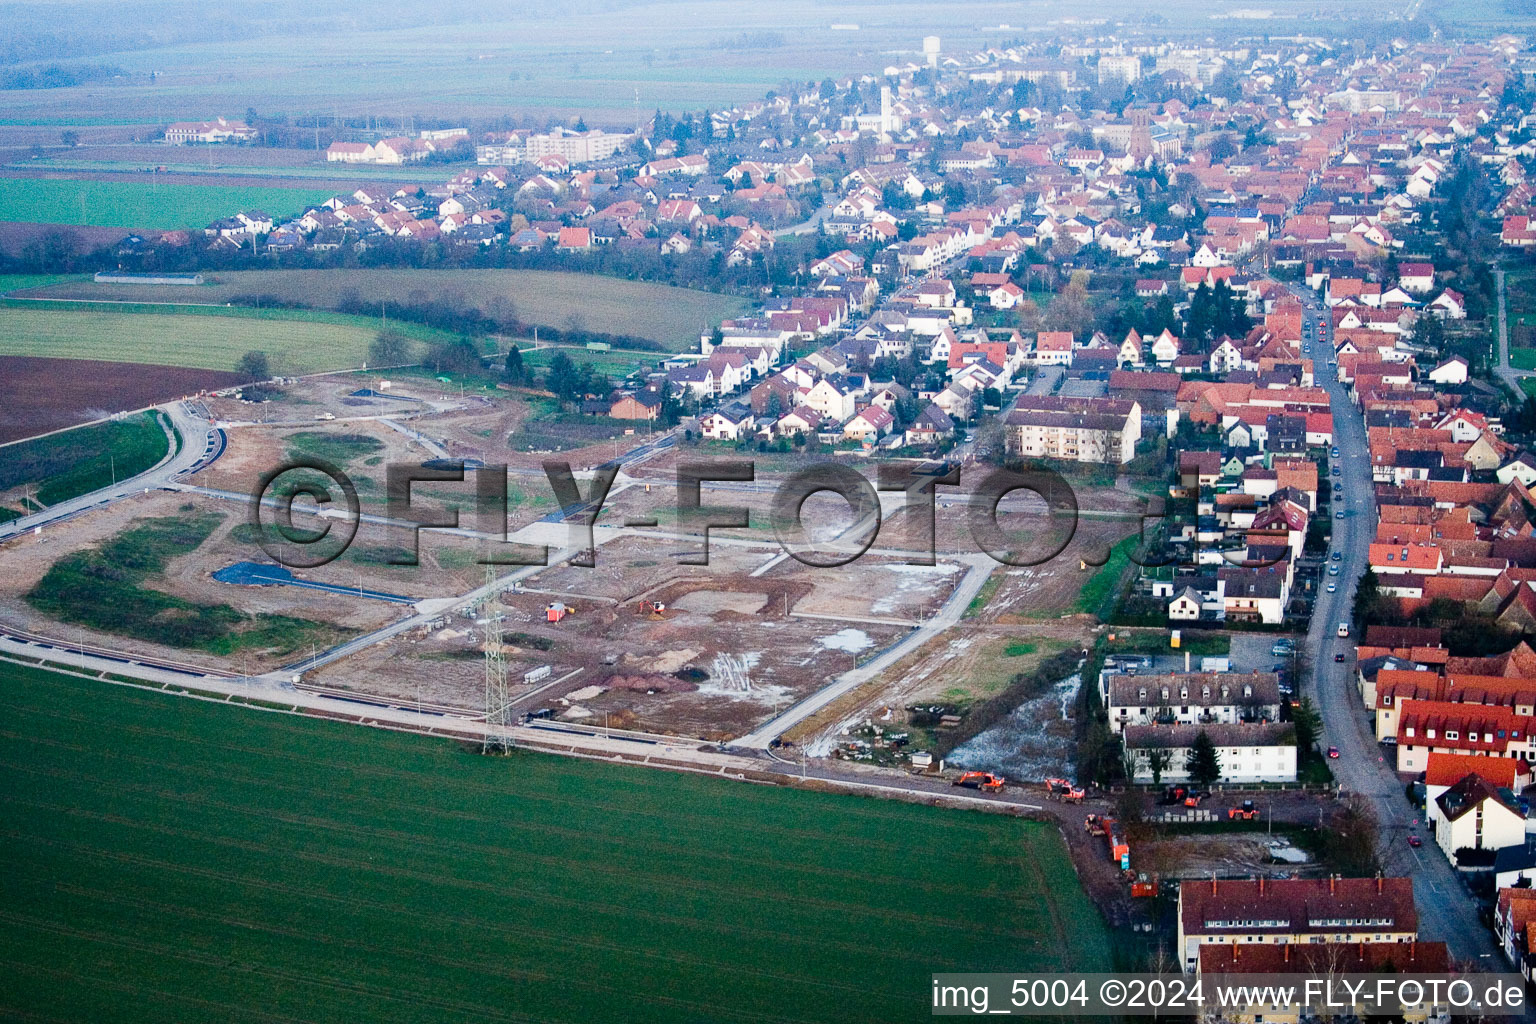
(1364, 767)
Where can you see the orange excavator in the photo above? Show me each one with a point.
(980, 780)
(652, 608)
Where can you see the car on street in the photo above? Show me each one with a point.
(1337, 555)
(1333, 588)
(1334, 453)
(1333, 752)
(1339, 656)
(1415, 842)
(1339, 514)
(1336, 471)
(1333, 570)
(1282, 647)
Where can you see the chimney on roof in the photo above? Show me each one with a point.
(1378, 883)
(1213, 884)
(1331, 879)
(1261, 885)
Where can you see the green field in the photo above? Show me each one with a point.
(672, 317)
(16, 282)
(74, 462)
(172, 860)
(1522, 358)
(615, 364)
(209, 339)
(143, 205)
(1098, 594)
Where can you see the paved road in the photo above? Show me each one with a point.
(1046, 380)
(1446, 911)
(805, 227)
(200, 443)
(1508, 374)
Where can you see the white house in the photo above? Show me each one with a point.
(1522, 467)
(1452, 371)
(726, 425)
(1473, 815)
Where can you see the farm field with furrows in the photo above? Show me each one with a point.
(245, 865)
(672, 317)
(39, 395)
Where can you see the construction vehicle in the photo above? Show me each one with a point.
(1119, 849)
(1143, 887)
(1114, 838)
(652, 608)
(980, 780)
(1193, 799)
(1174, 795)
(1063, 789)
(1247, 812)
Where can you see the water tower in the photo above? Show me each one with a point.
(931, 50)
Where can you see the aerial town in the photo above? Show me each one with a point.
(1254, 312)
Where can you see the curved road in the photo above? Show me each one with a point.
(1447, 911)
(201, 443)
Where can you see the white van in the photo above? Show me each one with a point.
(1343, 629)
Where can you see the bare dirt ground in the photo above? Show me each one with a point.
(720, 659)
(1052, 589)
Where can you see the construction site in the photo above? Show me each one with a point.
(656, 629)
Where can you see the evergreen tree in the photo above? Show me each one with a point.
(564, 378)
(1309, 726)
(1368, 599)
(1203, 763)
(516, 373)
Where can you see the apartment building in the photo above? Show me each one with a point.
(1294, 910)
(1074, 429)
(1193, 698)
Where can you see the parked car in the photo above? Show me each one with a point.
(1337, 556)
(1333, 588)
(1415, 841)
(1333, 570)
(1339, 656)
(1338, 515)
(1333, 752)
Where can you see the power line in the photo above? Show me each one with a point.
(498, 732)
